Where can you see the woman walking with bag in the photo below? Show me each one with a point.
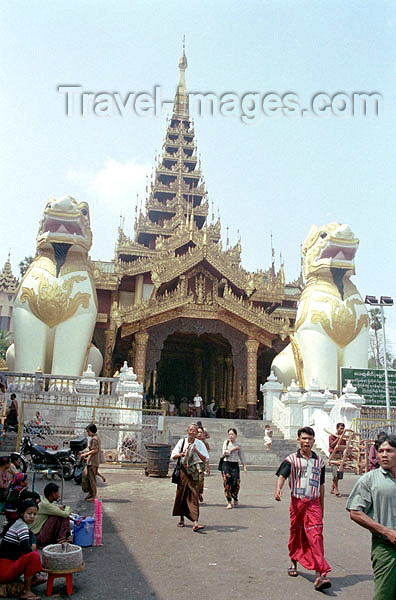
(232, 454)
(191, 452)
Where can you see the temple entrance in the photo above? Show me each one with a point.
(189, 364)
(177, 358)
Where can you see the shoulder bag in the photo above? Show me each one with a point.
(220, 465)
(176, 471)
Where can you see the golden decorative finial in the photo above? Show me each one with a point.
(181, 99)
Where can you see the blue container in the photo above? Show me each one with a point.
(83, 532)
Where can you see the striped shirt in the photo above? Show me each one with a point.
(306, 475)
(17, 541)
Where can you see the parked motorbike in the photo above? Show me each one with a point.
(78, 445)
(40, 458)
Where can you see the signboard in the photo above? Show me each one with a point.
(370, 383)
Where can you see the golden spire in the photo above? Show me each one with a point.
(181, 99)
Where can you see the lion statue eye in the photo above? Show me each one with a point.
(84, 211)
(323, 234)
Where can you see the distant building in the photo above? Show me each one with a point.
(8, 287)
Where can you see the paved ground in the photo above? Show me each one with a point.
(241, 553)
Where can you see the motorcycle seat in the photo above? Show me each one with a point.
(58, 454)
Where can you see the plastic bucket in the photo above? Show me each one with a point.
(83, 532)
(158, 456)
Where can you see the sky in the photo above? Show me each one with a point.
(276, 174)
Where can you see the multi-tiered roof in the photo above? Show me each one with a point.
(177, 202)
(8, 282)
(175, 248)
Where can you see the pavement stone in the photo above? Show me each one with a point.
(241, 553)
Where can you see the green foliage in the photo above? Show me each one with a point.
(24, 264)
(375, 319)
(5, 341)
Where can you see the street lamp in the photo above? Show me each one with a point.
(383, 301)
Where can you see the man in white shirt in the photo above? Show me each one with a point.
(191, 452)
(197, 405)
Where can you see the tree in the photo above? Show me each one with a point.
(376, 347)
(375, 326)
(5, 342)
(24, 264)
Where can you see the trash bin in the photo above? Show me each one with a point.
(158, 456)
(83, 532)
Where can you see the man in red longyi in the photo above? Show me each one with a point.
(306, 473)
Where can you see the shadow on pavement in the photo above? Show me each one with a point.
(338, 583)
(225, 528)
(116, 501)
(111, 571)
(207, 504)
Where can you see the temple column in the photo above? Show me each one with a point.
(219, 388)
(212, 379)
(154, 382)
(140, 357)
(198, 371)
(252, 347)
(234, 392)
(228, 387)
(110, 336)
(138, 289)
(240, 401)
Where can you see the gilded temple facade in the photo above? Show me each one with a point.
(177, 305)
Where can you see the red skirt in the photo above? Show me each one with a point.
(27, 564)
(306, 535)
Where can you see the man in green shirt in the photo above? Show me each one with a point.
(372, 504)
(52, 524)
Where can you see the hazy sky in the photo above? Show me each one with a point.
(278, 174)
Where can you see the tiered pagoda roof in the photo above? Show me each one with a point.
(176, 205)
(8, 282)
(175, 246)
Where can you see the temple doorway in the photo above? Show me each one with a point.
(189, 364)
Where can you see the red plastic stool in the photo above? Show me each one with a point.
(67, 574)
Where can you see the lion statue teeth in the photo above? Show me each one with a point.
(55, 308)
(332, 324)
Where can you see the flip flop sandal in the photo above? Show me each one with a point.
(180, 524)
(198, 527)
(292, 572)
(39, 581)
(322, 584)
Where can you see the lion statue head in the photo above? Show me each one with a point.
(65, 221)
(331, 246)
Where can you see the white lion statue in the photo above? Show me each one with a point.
(332, 324)
(55, 308)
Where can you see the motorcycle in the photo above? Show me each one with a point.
(39, 458)
(78, 445)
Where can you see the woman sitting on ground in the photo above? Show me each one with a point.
(4, 479)
(18, 492)
(15, 464)
(52, 525)
(18, 551)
